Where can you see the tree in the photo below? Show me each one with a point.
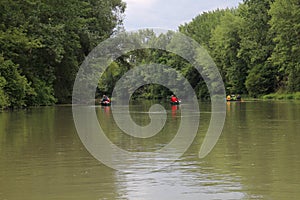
(201, 27)
(225, 43)
(261, 80)
(48, 40)
(3, 96)
(285, 25)
(256, 44)
(14, 88)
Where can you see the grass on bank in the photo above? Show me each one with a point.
(282, 96)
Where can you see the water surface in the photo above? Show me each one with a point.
(256, 157)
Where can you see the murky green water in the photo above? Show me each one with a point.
(256, 157)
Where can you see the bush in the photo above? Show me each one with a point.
(43, 94)
(3, 97)
(15, 87)
(261, 80)
(269, 96)
(277, 96)
(297, 96)
(289, 96)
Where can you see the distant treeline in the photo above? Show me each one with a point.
(255, 46)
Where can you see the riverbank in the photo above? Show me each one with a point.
(273, 96)
(282, 96)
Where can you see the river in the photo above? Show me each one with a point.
(256, 157)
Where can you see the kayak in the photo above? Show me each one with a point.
(233, 100)
(174, 103)
(105, 103)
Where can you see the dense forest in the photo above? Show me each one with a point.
(255, 46)
(43, 43)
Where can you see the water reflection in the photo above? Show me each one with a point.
(42, 158)
(174, 109)
(257, 156)
(187, 181)
(261, 142)
(187, 178)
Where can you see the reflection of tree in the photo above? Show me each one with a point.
(28, 126)
(139, 112)
(40, 151)
(3, 127)
(260, 145)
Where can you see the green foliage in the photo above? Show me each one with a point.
(109, 78)
(282, 96)
(14, 86)
(261, 80)
(225, 43)
(43, 43)
(3, 97)
(285, 25)
(148, 57)
(256, 42)
(43, 94)
(256, 46)
(201, 27)
(47, 41)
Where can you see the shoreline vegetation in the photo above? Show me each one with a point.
(282, 96)
(269, 97)
(274, 97)
(254, 46)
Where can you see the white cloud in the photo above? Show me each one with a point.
(168, 14)
(140, 2)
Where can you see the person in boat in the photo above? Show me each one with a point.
(105, 100)
(233, 97)
(228, 98)
(174, 99)
(238, 97)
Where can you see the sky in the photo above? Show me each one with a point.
(168, 14)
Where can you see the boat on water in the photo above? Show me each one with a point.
(233, 100)
(175, 103)
(232, 97)
(174, 100)
(104, 103)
